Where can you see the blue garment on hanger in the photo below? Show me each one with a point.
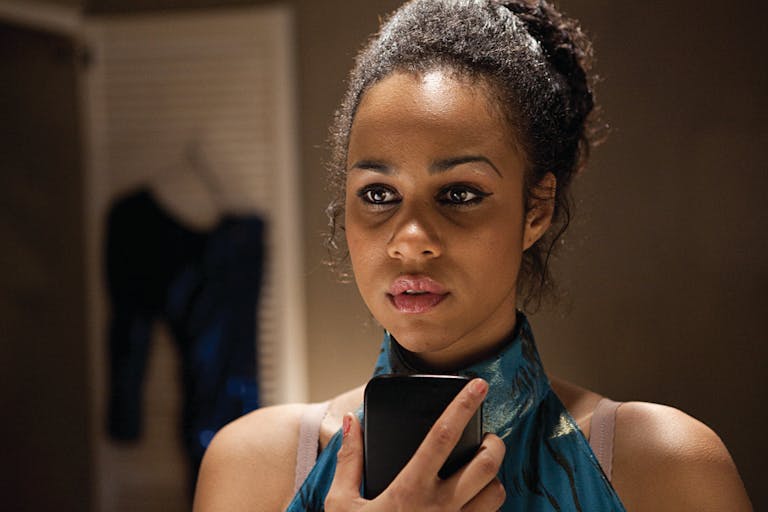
(205, 285)
(548, 465)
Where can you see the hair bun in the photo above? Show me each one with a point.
(565, 47)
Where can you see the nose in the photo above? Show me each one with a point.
(414, 239)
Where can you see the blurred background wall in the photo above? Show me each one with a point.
(665, 268)
(44, 374)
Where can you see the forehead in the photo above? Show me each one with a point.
(435, 93)
(438, 104)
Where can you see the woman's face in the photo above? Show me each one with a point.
(435, 221)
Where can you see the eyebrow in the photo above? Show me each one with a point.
(436, 168)
(370, 165)
(449, 163)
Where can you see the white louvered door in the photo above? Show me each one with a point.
(200, 105)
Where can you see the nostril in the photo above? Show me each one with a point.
(413, 241)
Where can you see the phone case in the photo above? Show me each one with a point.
(399, 411)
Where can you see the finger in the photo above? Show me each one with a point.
(482, 469)
(349, 462)
(490, 499)
(445, 433)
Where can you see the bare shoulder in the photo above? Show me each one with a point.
(665, 460)
(250, 463)
(578, 401)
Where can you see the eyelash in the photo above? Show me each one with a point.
(365, 194)
(478, 194)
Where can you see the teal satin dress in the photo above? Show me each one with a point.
(548, 465)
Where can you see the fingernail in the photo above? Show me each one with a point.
(478, 386)
(346, 425)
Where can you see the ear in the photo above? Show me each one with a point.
(541, 207)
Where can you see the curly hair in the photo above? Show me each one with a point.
(537, 62)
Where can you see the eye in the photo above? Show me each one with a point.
(378, 195)
(461, 195)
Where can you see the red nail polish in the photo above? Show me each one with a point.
(346, 424)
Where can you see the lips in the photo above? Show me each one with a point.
(416, 294)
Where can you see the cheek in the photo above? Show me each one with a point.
(351, 223)
(360, 245)
(495, 256)
(496, 251)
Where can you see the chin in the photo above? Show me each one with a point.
(420, 347)
(422, 342)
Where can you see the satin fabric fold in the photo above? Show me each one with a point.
(548, 465)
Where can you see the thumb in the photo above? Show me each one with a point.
(349, 460)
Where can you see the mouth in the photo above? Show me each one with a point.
(416, 294)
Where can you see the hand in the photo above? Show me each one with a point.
(474, 488)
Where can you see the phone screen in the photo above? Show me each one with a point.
(399, 411)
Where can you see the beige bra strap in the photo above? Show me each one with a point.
(601, 433)
(309, 435)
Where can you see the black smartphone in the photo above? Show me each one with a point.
(399, 410)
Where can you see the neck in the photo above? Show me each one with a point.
(414, 362)
(423, 364)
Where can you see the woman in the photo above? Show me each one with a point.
(454, 149)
